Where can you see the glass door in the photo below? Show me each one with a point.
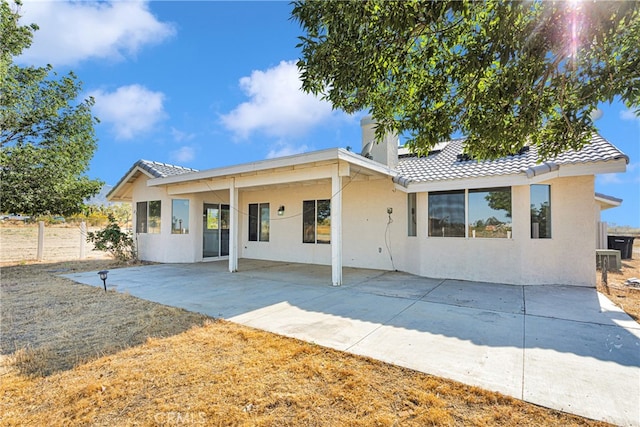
(211, 231)
(215, 231)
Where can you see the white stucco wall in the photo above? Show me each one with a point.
(165, 247)
(370, 240)
(567, 258)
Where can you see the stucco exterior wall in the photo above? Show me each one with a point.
(165, 247)
(567, 258)
(374, 239)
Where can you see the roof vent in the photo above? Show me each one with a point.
(464, 157)
(366, 150)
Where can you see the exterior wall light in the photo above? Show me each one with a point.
(103, 277)
(281, 210)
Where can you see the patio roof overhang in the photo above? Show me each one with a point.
(311, 167)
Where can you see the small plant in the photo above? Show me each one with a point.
(113, 240)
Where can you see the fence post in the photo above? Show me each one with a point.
(83, 238)
(39, 257)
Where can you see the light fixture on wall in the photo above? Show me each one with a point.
(281, 210)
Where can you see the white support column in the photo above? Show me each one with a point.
(234, 214)
(336, 227)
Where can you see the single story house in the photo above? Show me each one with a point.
(513, 220)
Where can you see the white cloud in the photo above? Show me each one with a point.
(183, 154)
(71, 32)
(131, 110)
(180, 136)
(277, 106)
(281, 149)
(629, 115)
(610, 178)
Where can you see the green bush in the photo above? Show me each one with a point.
(113, 240)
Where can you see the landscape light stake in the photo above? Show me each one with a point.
(103, 276)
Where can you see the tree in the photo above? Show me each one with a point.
(499, 200)
(46, 138)
(506, 74)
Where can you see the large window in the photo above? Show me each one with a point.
(179, 216)
(259, 222)
(446, 214)
(316, 221)
(540, 211)
(148, 217)
(412, 228)
(490, 212)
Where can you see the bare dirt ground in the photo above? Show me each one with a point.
(75, 355)
(625, 296)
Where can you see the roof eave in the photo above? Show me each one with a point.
(332, 154)
(115, 194)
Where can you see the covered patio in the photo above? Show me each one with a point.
(563, 347)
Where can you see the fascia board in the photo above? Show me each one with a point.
(113, 196)
(329, 155)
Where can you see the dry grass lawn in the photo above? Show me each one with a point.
(625, 296)
(73, 355)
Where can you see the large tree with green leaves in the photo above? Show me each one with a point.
(505, 74)
(46, 137)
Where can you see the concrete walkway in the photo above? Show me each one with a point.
(565, 348)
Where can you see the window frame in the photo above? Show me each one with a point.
(143, 221)
(547, 217)
(184, 229)
(463, 205)
(431, 217)
(507, 229)
(313, 208)
(412, 215)
(257, 223)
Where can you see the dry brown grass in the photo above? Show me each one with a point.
(19, 243)
(625, 296)
(73, 355)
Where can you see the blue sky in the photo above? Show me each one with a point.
(208, 84)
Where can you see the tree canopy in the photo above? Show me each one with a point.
(46, 138)
(505, 74)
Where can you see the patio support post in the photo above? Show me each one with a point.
(233, 226)
(336, 227)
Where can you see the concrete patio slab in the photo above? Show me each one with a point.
(429, 337)
(583, 368)
(488, 296)
(575, 303)
(567, 348)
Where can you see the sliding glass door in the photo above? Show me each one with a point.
(215, 227)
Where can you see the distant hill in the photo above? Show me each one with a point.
(100, 199)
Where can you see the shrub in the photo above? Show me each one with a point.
(113, 240)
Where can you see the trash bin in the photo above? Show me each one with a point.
(624, 244)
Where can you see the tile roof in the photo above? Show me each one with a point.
(161, 170)
(155, 169)
(444, 164)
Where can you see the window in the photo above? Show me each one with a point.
(148, 217)
(540, 211)
(259, 222)
(179, 216)
(141, 217)
(154, 216)
(411, 215)
(490, 212)
(446, 214)
(316, 221)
